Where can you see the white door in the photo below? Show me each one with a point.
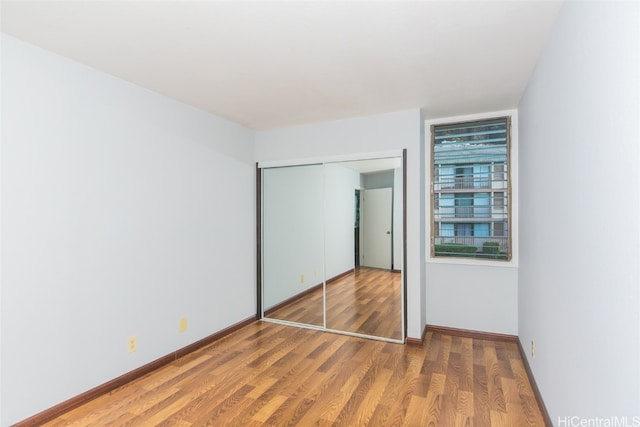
(375, 216)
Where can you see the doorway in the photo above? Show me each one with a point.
(376, 207)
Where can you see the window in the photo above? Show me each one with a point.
(470, 189)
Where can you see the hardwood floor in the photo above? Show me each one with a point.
(270, 374)
(367, 301)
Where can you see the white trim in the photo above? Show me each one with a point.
(470, 261)
(467, 118)
(513, 263)
(330, 159)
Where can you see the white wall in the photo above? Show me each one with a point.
(391, 131)
(308, 225)
(397, 220)
(478, 295)
(1, 273)
(293, 231)
(378, 180)
(339, 208)
(122, 211)
(580, 241)
(474, 297)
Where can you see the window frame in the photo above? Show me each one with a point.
(508, 199)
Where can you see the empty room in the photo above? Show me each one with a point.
(350, 213)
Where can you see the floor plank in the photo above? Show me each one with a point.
(367, 301)
(270, 374)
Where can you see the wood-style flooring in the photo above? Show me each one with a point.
(367, 301)
(271, 374)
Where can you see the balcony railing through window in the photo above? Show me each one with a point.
(470, 189)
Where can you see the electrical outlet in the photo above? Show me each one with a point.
(132, 344)
(302, 278)
(533, 349)
(183, 324)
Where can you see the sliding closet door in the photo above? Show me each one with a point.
(293, 243)
(364, 298)
(312, 238)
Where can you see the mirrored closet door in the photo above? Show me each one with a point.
(332, 246)
(292, 244)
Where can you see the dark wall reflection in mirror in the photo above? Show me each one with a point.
(332, 241)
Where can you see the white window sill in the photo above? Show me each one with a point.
(471, 261)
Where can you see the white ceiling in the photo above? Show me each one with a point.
(269, 64)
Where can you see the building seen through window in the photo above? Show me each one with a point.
(470, 189)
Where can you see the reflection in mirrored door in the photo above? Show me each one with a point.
(292, 244)
(365, 299)
(318, 240)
